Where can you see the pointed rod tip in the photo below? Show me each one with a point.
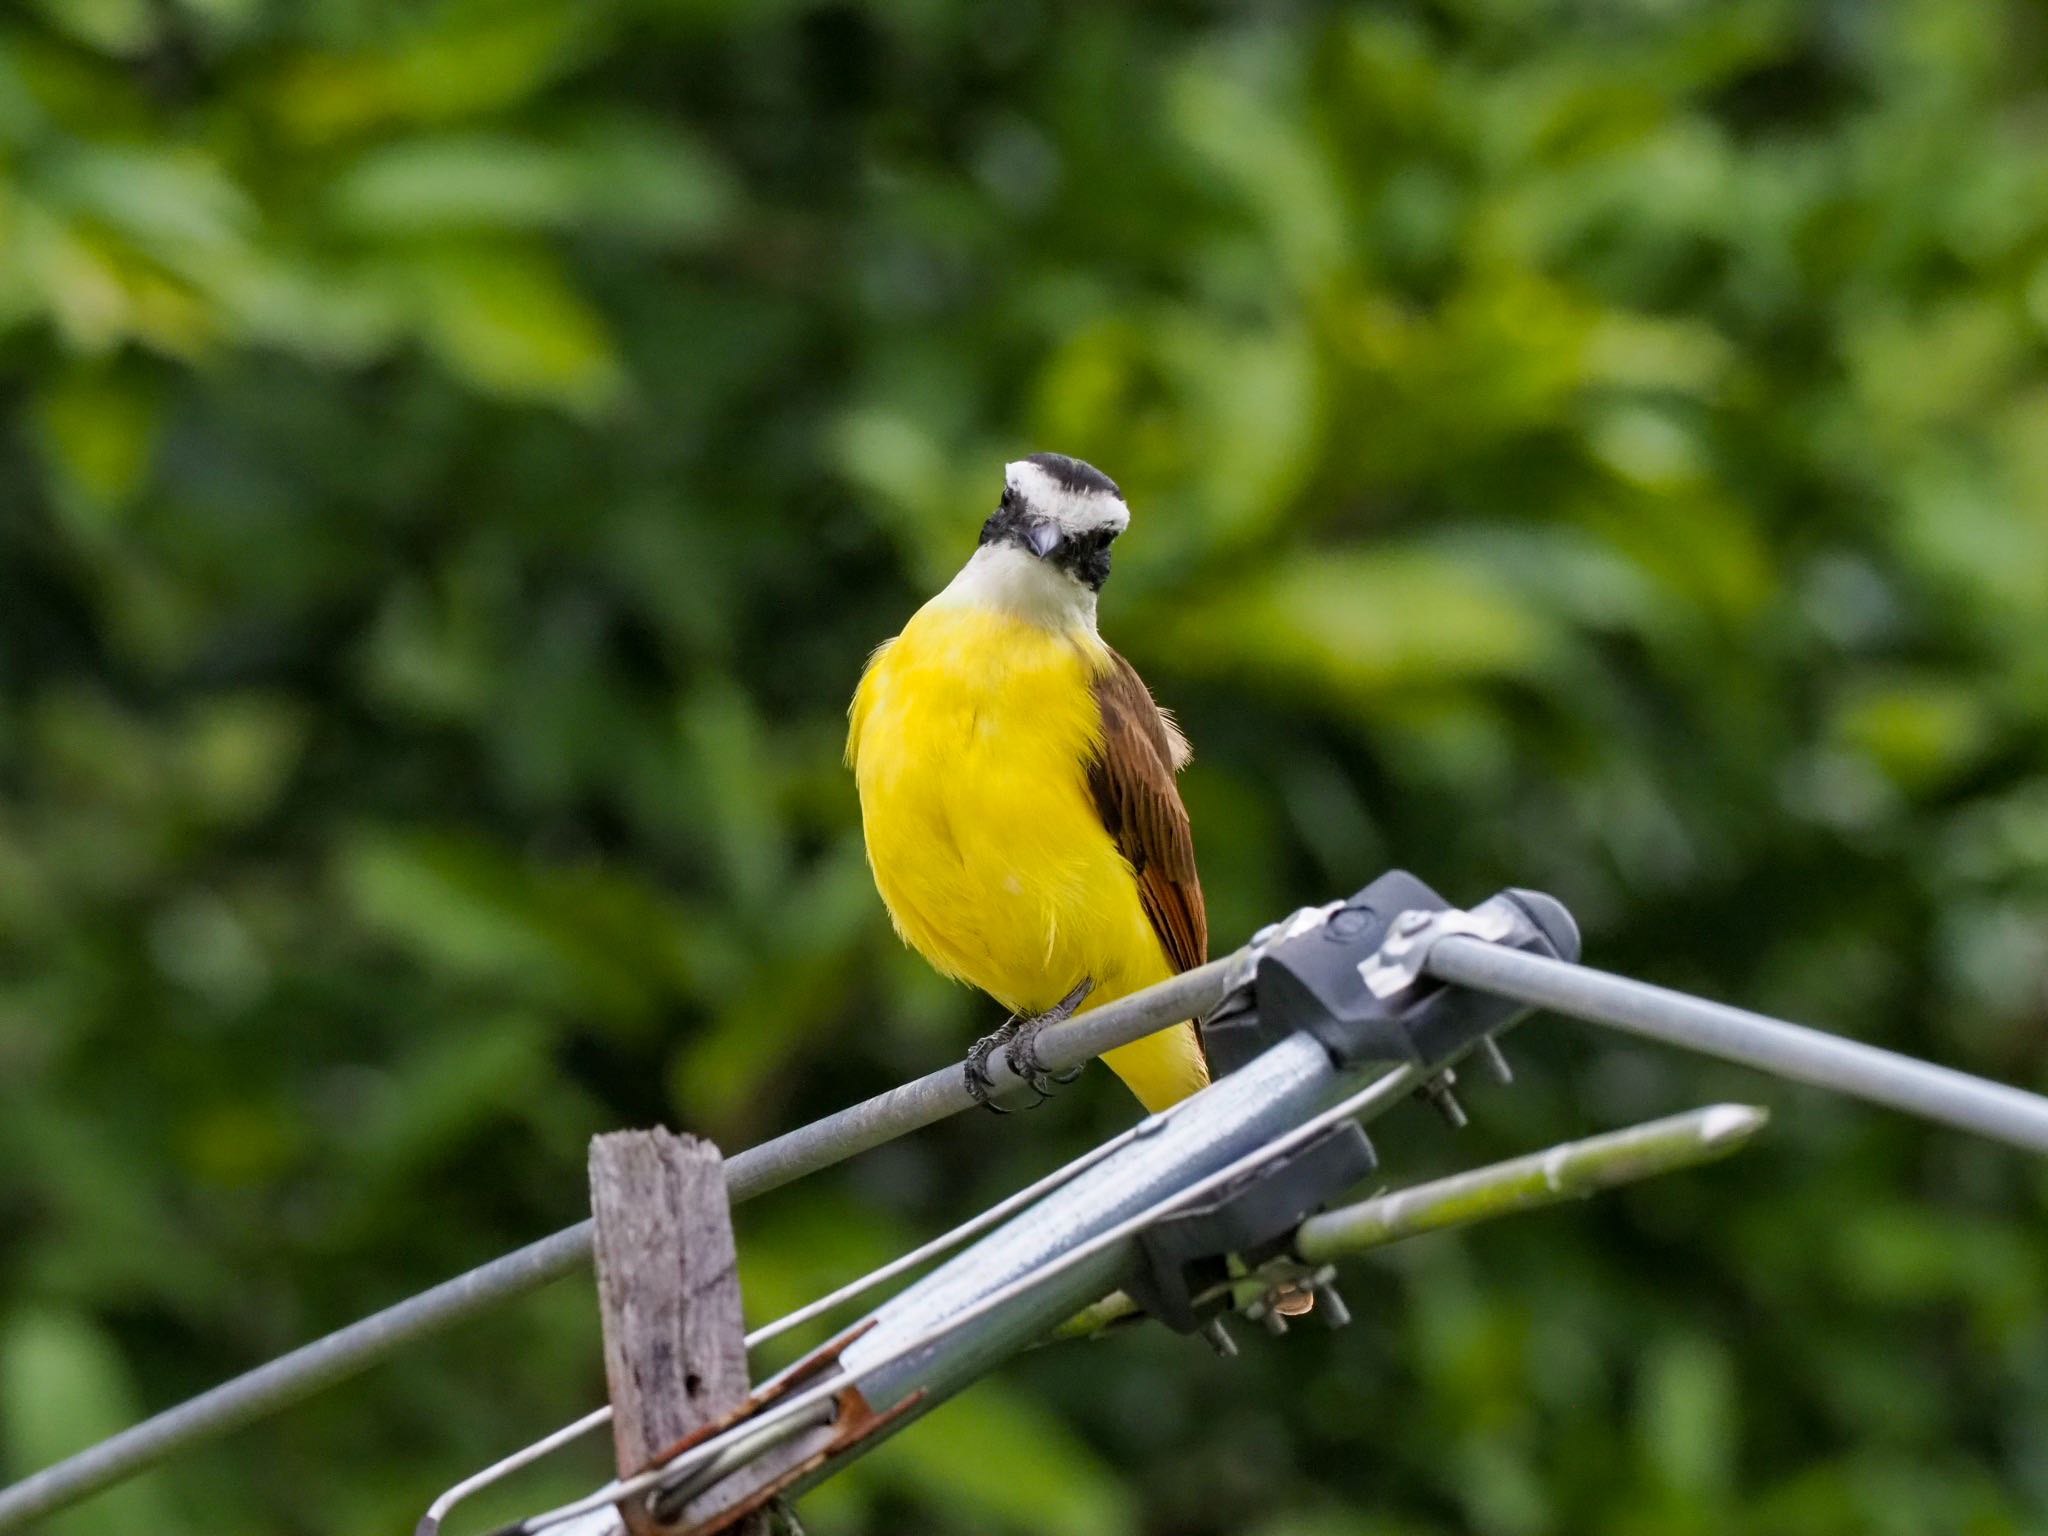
(1723, 1123)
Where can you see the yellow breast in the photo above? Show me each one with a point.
(971, 734)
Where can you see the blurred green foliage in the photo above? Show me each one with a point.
(458, 454)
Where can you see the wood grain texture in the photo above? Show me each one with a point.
(674, 1339)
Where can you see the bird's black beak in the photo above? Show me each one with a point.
(1043, 536)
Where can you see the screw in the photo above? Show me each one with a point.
(1347, 923)
(1438, 1091)
(1331, 1305)
(1411, 922)
(1496, 1061)
(1219, 1339)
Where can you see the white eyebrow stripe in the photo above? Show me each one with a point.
(1075, 511)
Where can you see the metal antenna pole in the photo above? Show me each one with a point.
(1804, 1055)
(1427, 945)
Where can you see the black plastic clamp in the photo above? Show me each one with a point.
(1353, 980)
(1187, 1254)
(1351, 976)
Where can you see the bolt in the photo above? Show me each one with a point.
(1331, 1305)
(1347, 923)
(1438, 1091)
(1496, 1061)
(1276, 1324)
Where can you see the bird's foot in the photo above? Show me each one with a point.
(1023, 1052)
(979, 1081)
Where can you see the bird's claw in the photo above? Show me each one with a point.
(1018, 1039)
(1023, 1058)
(1023, 1051)
(979, 1079)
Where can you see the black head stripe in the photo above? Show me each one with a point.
(1073, 475)
(1007, 517)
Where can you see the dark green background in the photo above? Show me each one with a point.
(457, 455)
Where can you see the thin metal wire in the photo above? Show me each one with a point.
(292, 1377)
(1374, 1096)
(497, 1471)
(439, 1510)
(947, 1241)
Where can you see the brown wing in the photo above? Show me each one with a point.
(1132, 781)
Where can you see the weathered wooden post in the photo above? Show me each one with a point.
(668, 1285)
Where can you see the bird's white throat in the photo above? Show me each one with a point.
(1010, 580)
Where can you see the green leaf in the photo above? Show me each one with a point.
(457, 182)
(177, 205)
(121, 27)
(506, 319)
(585, 939)
(1364, 624)
(1921, 732)
(454, 61)
(98, 430)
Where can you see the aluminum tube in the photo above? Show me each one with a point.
(1569, 1171)
(313, 1367)
(1804, 1055)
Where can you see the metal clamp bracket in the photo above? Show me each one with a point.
(1185, 1258)
(1354, 980)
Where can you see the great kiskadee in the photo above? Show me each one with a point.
(1017, 786)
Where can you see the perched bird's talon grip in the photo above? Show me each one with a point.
(979, 1080)
(1023, 1043)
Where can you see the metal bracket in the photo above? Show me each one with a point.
(1184, 1266)
(1351, 975)
(852, 1420)
(1397, 964)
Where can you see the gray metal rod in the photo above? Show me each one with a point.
(1755, 1040)
(1570, 1170)
(312, 1367)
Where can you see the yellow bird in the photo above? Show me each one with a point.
(1017, 787)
